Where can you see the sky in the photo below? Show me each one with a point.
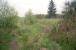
(37, 6)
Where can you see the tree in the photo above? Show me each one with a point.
(70, 9)
(73, 7)
(8, 19)
(51, 10)
(29, 18)
(4, 7)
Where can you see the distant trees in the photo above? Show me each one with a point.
(51, 10)
(40, 16)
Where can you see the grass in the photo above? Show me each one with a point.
(35, 36)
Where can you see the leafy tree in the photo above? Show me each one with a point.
(70, 9)
(8, 18)
(51, 10)
(29, 18)
(73, 7)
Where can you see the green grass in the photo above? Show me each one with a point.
(35, 36)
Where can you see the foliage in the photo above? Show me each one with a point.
(65, 33)
(35, 36)
(35, 33)
(30, 18)
(8, 18)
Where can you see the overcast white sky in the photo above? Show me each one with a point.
(37, 6)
